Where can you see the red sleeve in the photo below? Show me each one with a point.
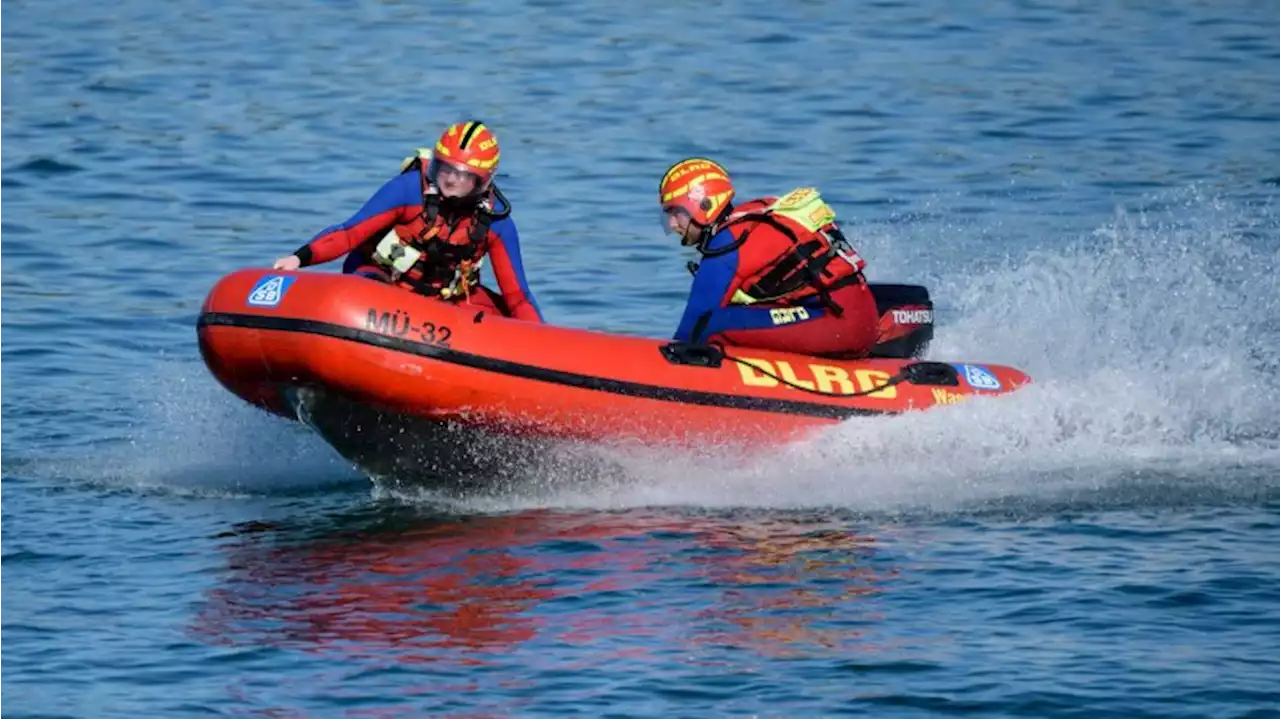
(341, 240)
(398, 200)
(511, 283)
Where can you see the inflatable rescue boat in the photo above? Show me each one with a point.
(378, 371)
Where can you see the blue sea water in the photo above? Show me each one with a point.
(1089, 189)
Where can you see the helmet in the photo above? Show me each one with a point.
(698, 187)
(467, 147)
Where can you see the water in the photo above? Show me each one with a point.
(1089, 190)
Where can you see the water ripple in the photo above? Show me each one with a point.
(1094, 204)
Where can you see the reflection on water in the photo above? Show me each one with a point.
(424, 592)
(470, 591)
(783, 588)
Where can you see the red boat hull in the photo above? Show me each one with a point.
(266, 335)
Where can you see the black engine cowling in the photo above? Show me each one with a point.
(906, 320)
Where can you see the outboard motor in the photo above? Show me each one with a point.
(906, 320)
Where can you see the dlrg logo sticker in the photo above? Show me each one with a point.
(979, 377)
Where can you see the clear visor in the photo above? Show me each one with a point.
(675, 220)
(453, 181)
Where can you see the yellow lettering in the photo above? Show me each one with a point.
(828, 377)
(942, 396)
(870, 378)
(750, 377)
(691, 167)
(789, 375)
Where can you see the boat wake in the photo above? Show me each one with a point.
(1153, 344)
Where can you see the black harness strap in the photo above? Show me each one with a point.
(438, 254)
(802, 261)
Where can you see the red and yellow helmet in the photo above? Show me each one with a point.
(467, 147)
(698, 187)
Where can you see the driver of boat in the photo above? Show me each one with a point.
(429, 228)
(775, 272)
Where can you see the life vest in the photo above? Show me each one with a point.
(818, 260)
(439, 254)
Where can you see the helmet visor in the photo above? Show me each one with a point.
(453, 180)
(675, 220)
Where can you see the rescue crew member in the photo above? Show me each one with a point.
(429, 228)
(776, 272)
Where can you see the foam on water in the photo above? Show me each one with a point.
(1152, 344)
(190, 436)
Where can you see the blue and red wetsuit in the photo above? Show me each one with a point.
(399, 204)
(799, 322)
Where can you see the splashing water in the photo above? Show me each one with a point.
(1150, 332)
(1151, 342)
(193, 437)
(1152, 345)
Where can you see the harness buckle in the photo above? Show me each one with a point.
(465, 276)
